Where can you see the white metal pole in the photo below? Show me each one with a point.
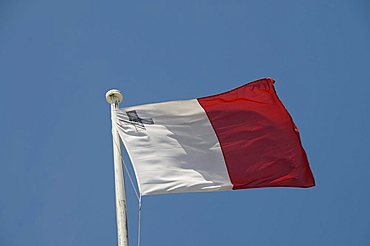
(114, 97)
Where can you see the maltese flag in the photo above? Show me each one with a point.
(243, 138)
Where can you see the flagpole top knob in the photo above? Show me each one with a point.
(114, 96)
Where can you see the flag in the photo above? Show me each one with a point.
(243, 138)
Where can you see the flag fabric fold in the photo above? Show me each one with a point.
(243, 138)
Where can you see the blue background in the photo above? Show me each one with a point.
(58, 58)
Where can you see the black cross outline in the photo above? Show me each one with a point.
(135, 120)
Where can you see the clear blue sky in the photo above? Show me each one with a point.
(58, 58)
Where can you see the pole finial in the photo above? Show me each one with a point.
(114, 96)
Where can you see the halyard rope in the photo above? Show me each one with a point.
(128, 173)
(139, 224)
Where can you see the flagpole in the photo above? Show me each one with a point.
(114, 97)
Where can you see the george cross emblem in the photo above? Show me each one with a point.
(135, 120)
